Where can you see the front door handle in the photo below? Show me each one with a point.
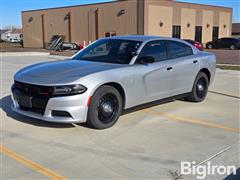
(195, 61)
(169, 69)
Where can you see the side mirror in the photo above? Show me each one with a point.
(146, 60)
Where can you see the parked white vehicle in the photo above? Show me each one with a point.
(12, 36)
(112, 75)
(15, 40)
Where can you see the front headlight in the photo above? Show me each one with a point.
(69, 89)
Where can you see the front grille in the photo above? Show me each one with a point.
(33, 89)
(40, 96)
(33, 109)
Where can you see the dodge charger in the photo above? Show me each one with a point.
(111, 75)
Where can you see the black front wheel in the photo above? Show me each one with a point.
(210, 46)
(232, 47)
(105, 107)
(200, 88)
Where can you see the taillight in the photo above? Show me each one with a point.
(199, 46)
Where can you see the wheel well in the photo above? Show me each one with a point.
(120, 90)
(207, 72)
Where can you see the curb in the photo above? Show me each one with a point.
(24, 53)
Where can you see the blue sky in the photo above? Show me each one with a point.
(10, 11)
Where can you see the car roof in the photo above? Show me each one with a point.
(228, 38)
(189, 40)
(142, 38)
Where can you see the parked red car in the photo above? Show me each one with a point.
(195, 43)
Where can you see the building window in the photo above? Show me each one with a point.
(215, 33)
(110, 34)
(176, 32)
(198, 33)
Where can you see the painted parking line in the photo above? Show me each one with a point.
(224, 94)
(31, 164)
(192, 121)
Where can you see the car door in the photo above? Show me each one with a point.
(230, 42)
(225, 43)
(218, 43)
(185, 66)
(154, 80)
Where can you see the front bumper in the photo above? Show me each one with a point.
(75, 105)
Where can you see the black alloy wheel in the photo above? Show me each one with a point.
(199, 89)
(232, 47)
(210, 46)
(105, 107)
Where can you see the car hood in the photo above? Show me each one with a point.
(61, 72)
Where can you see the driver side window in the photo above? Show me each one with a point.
(156, 49)
(102, 50)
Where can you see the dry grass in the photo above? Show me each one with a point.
(10, 45)
(229, 67)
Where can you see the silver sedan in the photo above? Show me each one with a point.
(112, 75)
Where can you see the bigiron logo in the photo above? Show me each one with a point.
(202, 170)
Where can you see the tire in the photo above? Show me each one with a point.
(105, 107)
(200, 88)
(232, 47)
(210, 46)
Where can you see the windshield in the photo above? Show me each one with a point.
(110, 51)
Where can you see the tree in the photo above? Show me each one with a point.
(11, 27)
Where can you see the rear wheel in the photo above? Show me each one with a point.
(232, 47)
(200, 88)
(105, 108)
(209, 46)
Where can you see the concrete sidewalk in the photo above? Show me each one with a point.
(24, 54)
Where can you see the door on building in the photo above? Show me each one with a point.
(110, 34)
(176, 32)
(215, 33)
(198, 33)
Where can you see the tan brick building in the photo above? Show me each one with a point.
(150, 17)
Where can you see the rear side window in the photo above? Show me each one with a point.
(156, 49)
(233, 40)
(229, 40)
(178, 49)
(225, 40)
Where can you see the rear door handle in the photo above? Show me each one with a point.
(169, 69)
(195, 61)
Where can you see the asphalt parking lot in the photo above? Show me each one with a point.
(149, 143)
